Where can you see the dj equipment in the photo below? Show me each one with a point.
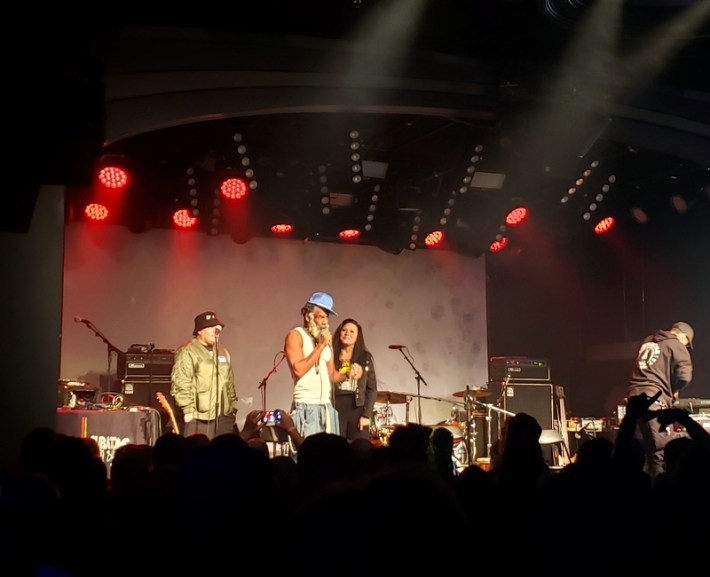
(75, 394)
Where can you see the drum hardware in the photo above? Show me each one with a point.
(473, 393)
(383, 429)
(488, 408)
(391, 397)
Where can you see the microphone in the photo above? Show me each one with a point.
(398, 347)
(81, 320)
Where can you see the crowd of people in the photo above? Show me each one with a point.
(215, 496)
(193, 503)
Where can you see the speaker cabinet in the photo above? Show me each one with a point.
(536, 400)
(143, 394)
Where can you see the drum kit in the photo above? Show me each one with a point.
(462, 424)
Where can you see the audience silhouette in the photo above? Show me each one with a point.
(401, 507)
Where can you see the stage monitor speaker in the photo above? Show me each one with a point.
(536, 400)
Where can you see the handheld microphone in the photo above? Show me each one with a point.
(81, 320)
(397, 346)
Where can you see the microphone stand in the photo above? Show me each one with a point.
(215, 372)
(262, 382)
(420, 380)
(111, 348)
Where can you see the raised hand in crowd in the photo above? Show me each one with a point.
(286, 424)
(252, 425)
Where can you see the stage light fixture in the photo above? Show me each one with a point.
(349, 234)
(434, 239)
(324, 189)
(113, 172)
(113, 177)
(372, 209)
(499, 244)
(234, 188)
(183, 219)
(282, 228)
(96, 212)
(355, 157)
(516, 216)
(604, 225)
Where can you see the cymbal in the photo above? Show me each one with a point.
(390, 397)
(474, 393)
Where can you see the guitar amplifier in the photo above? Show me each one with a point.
(149, 365)
(518, 370)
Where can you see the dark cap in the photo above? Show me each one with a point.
(204, 320)
(687, 330)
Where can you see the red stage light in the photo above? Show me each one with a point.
(434, 238)
(349, 233)
(604, 225)
(96, 211)
(282, 228)
(234, 188)
(183, 219)
(499, 245)
(516, 216)
(114, 177)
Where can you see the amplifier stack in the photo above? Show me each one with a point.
(523, 385)
(145, 371)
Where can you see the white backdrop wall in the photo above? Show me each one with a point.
(147, 288)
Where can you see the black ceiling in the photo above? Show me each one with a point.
(536, 124)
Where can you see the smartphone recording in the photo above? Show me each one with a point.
(271, 418)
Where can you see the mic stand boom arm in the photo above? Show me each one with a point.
(111, 348)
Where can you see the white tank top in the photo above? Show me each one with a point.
(314, 387)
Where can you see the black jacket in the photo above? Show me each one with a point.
(662, 363)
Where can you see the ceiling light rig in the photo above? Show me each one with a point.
(193, 208)
(436, 238)
(372, 209)
(579, 182)
(596, 202)
(355, 156)
(324, 189)
(189, 210)
(354, 233)
(414, 232)
(245, 162)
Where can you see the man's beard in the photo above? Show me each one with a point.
(314, 330)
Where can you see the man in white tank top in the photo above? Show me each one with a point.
(309, 354)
